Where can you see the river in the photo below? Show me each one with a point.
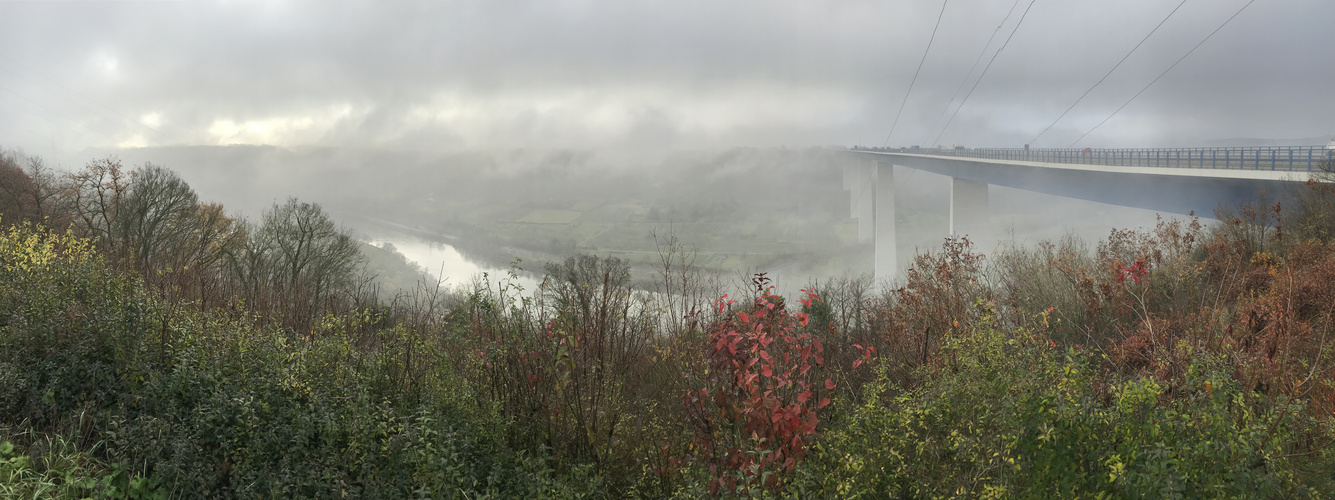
(444, 261)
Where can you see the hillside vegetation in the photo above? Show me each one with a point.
(152, 347)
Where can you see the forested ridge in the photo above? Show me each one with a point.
(152, 346)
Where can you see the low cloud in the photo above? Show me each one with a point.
(575, 74)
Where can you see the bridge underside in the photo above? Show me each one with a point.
(1166, 190)
(1174, 193)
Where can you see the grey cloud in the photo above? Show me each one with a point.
(602, 74)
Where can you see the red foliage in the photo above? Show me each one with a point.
(757, 414)
(1134, 273)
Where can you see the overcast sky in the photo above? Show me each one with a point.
(637, 74)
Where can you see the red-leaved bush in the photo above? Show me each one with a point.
(756, 414)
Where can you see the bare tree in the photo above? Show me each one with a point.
(16, 202)
(29, 190)
(684, 291)
(95, 194)
(155, 220)
(47, 193)
(211, 234)
(311, 257)
(249, 264)
(197, 259)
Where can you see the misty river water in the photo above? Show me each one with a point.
(444, 261)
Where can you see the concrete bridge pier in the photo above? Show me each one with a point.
(871, 192)
(887, 260)
(969, 214)
(858, 181)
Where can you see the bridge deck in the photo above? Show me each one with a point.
(1285, 158)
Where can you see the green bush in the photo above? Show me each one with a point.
(1010, 416)
(71, 332)
(211, 405)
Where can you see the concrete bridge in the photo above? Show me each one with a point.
(1176, 181)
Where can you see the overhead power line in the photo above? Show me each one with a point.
(985, 68)
(915, 73)
(1165, 72)
(975, 66)
(1110, 72)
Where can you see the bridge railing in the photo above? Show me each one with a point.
(1289, 158)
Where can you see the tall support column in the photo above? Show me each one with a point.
(858, 180)
(887, 262)
(968, 209)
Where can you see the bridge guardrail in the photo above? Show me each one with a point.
(1287, 158)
